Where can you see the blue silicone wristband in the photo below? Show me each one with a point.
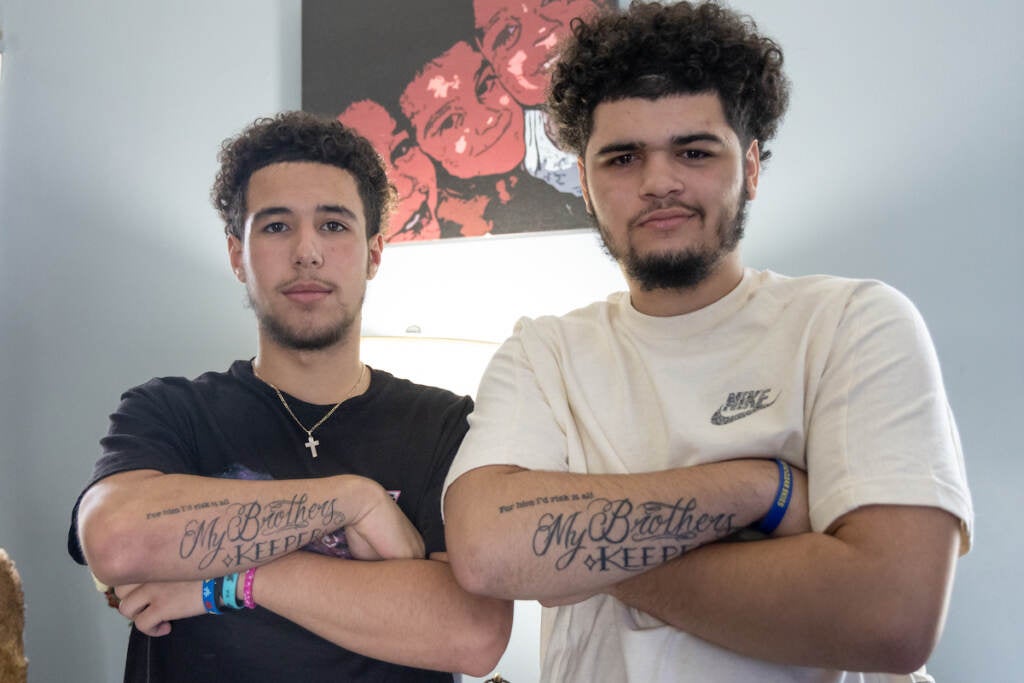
(777, 511)
(229, 592)
(210, 596)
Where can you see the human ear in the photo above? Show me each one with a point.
(376, 246)
(752, 168)
(235, 248)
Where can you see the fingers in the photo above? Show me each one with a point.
(131, 603)
(384, 532)
(360, 547)
(411, 548)
(153, 606)
(160, 628)
(134, 606)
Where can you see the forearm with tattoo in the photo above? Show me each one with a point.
(619, 534)
(244, 533)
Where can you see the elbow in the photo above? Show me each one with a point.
(486, 640)
(904, 650)
(910, 624)
(469, 575)
(483, 556)
(474, 559)
(902, 640)
(472, 562)
(113, 555)
(898, 607)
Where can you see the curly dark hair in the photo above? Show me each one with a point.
(653, 50)
(299, 136)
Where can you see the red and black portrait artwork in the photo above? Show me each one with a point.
(450, 93)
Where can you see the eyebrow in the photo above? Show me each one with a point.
(321, 208)
(337, 208)
(270, 211)
(495, 18)
(677, 141)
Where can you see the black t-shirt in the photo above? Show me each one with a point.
(401, 435)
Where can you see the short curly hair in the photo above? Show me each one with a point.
(653, 50)
(299, 136)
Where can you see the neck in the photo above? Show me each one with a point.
(668, 302)
(323, 377)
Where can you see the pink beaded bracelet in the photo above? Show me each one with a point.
(250, 575)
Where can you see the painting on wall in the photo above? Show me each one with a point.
(449, 92)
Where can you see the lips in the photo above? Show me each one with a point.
(665, 218)
(307, 291)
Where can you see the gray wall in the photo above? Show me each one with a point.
(899, 160)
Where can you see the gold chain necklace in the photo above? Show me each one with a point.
(312, 443)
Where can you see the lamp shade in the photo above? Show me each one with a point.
(453, 364)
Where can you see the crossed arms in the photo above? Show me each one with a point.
(138, 536)
(587, 533)
(869, 595)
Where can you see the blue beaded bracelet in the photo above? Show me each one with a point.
(210, 596)
(229, 592)
(777, 511)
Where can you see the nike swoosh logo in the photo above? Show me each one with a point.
(719, 419)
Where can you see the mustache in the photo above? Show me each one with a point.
(661, 205)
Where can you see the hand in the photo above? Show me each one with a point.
(153, 606)
(383, 532)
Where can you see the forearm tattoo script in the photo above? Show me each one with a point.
(252, 531)
(608, 535)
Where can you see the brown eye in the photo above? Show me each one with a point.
(694, 154)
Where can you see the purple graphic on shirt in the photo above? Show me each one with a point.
(333, 544)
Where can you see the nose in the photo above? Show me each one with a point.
(661, 176)
(308, 250)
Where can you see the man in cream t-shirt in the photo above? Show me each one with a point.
(613, 449)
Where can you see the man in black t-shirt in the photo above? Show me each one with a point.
(281, 520)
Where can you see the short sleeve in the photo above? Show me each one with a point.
(143, 434)
(520, 409)
(881, 430)
(428, 517)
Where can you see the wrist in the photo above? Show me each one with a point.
(780, 501)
